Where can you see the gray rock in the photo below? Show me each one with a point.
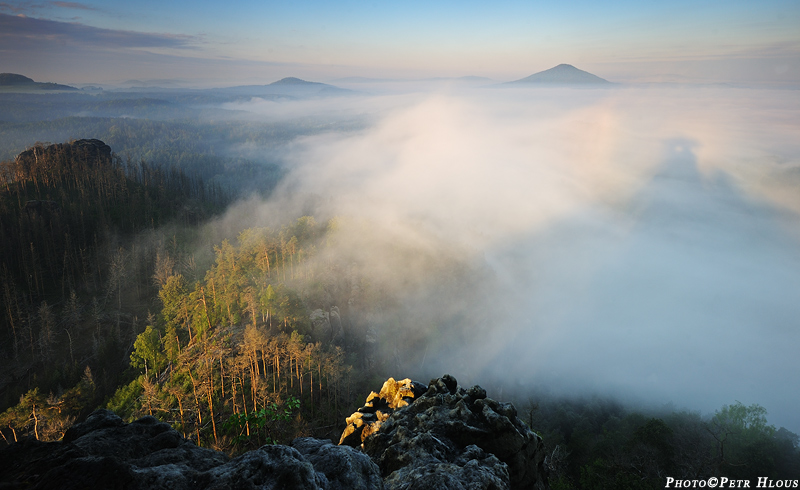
(472, 470)
(344, 468)
(270, 467)
(126, 442)
(454, 438)
(337, 331)
(321, 323)
(413, 437)
(105, 453)
(327, 326)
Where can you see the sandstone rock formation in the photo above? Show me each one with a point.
(85, 152)
(368, 419)
(448, 438)
(106, 453)
(327, 325)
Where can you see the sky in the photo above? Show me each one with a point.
(215, 43)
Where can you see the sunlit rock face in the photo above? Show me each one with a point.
(379, 406)
(447, 438)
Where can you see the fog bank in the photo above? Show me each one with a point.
(639, 242)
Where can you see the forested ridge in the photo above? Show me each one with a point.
(271, 335)
(88, 305)
(69, 215)
(61, 201)
(234, 358)
(195, 148)
(596, 442)
(183, 129)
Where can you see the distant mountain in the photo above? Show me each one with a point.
(16, 81)
(294, 82)
(562, 75)
(290, 87)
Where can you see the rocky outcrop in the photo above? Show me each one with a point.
(76, 156)
(337, 332)
(379, 406)
(471, 469)
(407, 436)
(450, 438)
(327, 325)
(106, 453)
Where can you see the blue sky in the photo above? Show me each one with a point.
(114, 40)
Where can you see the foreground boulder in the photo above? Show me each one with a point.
(106, 453)
(451, 438)
(344, 468)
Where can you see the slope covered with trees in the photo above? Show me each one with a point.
(73, 278)
(233, 358)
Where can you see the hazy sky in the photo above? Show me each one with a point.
(221, 42)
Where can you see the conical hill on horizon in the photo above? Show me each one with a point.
(562, 74)
(294, 81)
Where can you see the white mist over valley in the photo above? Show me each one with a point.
(639, 241)
(432, 245)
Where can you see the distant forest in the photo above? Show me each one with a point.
(176, 130)
(113, 297)
(68, 216)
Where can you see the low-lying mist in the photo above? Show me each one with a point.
(636, 242)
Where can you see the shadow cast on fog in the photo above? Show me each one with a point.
(689, 294)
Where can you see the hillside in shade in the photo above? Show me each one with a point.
(14, 81)
(563, 74)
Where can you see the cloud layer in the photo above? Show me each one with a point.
(21, 33)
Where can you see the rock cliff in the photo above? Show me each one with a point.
(78, 155)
